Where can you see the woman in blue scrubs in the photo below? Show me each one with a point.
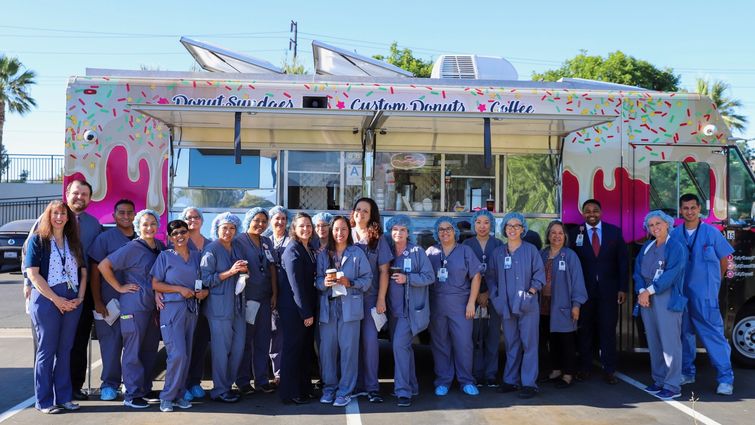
(452, 308)
(141, 335)
(321, 221)
(341, 313)
(56, 268)
(515, 275)
(367, 233)
(296, 304)
(560, 301)
(408, 303)
(278, 233)
(486, 331)
(222, 268)
(176, 275)
(658, 283)
(261, 295)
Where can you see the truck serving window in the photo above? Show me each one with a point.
(671, 179)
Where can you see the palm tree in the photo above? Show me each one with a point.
(14, 90)
(727, 107)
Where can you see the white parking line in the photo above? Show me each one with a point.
(30, 401)
(697, 416)
(353, 416)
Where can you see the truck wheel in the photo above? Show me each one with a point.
(743, 337)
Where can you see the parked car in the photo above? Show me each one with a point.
(12, 237)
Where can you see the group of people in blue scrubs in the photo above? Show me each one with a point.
(272, 295)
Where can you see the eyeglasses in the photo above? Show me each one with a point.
(178, 233)
(322, 226)
(193, 217)
(514, 226)
(445, 229)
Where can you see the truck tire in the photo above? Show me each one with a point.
(743, 337)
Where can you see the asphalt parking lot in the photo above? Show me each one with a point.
(587, 403)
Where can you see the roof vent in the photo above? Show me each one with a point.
(473, 67)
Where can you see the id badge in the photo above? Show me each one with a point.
(562, 265)
(507, 262)
(269, 256)
(407, 265)
(658, 274)
(483, 268)
(197, 285)
(442, 274)
(580, 239)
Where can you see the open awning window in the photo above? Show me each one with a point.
(331, 60)
(217, 59)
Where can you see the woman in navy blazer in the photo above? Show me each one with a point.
(296, 305)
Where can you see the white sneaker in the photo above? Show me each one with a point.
(725, 389)
(166, 406)
(686, 379)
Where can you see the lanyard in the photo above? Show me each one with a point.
(443, 257)
(260, 253)
(61, 255)
(686, 239)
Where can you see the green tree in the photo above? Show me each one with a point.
(404, 59)
(4, 160)
(14, 90)
(726, 106)
(293, 67)
(616, 68)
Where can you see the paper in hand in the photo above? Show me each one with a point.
(379, 318)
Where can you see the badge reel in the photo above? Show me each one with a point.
(197, 285)
(507, 262)
(562, 265)
(580, 239)
(407, 265)
(269, 256)
(442, 274)
(659, 271)
(484, 265)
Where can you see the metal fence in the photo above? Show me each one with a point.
(33, 168)
(22, 208)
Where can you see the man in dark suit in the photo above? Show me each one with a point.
(605, 264)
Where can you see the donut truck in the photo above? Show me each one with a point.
(245, 134)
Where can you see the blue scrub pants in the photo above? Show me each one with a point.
(141, 338)
(111, 348)
(339, 339)
(276, 344)
(199, 346)
(663, 330)
(451, 341)
(177, 328)
(520, 334)
(55, 333)
(702, 317)
(256, 349)
(405, 375)
(369, 350)
(227, 345)
(487, 339)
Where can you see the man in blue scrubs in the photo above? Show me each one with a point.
(707, 262)
(109, 336)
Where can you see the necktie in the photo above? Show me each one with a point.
(595, 241)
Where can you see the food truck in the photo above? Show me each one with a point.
(473, 136)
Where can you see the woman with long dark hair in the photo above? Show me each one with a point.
(296, 305)
(56, 268)
(367, 233)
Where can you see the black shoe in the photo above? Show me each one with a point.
(266, 388)
(491, 383)
(300, 400)
(404, 402)
(610, 379)
(152, 397)
(80, 395)
(374, 397)
(246, 390)
(136, 403)
(508, 388)
(528, 392)
(227, 398)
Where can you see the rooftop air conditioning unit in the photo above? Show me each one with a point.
(473, 67)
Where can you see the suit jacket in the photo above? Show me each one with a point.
(608, 273)
(297, 293)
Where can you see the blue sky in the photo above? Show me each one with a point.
(58, 39)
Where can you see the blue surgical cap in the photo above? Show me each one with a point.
(484, 213)
(226, 217)
(660, 214)
(323, 216)
(187, 210)
(511, 216)
(141, 214)
(448, 220)
(399, 220)
(250, 215)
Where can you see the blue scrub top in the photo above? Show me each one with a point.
(421, 275)
(461, 264)
(134, 260)
(509, 287)
(259, 286)
(173, 270)
(222, 303)
(377, 257)
(483, 255)
(105, 244)
(354, 265)
(567, 289)
(705, 252)
(193, 246)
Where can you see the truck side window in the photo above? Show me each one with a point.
(671, 179)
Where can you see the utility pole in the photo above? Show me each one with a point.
(293, 42)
